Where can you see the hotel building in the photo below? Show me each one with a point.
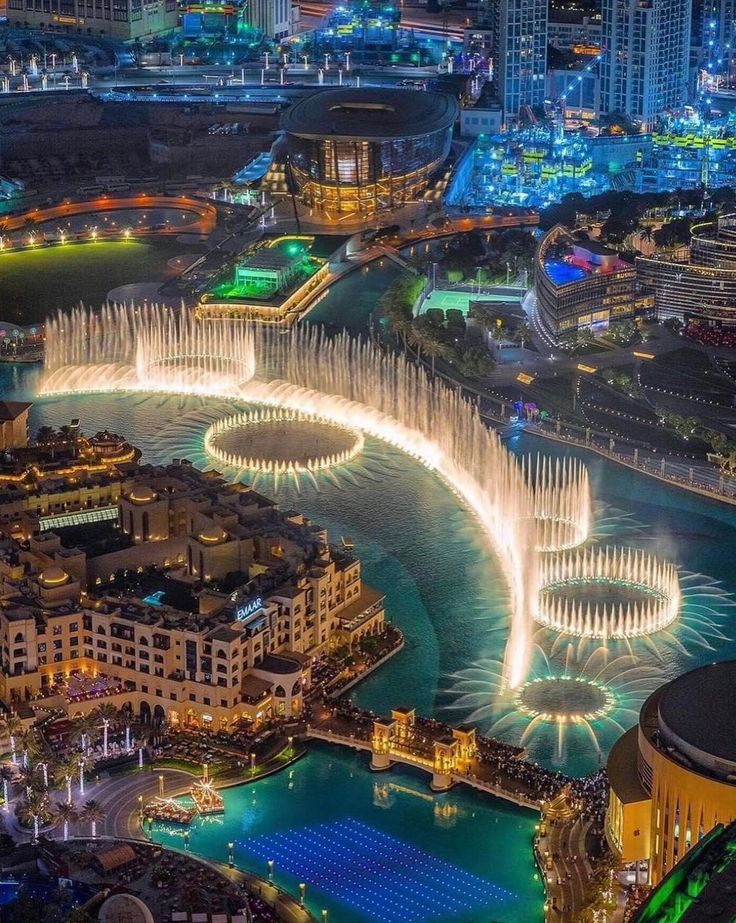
(200, 603)
(579, 283)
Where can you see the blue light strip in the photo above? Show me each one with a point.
(377, 874)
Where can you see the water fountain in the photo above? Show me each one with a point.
(595, 696)
(281, 442)
(562, 502)
(607, 593)
(153, 348)
(349, 382)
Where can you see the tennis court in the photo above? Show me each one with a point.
(459, 301)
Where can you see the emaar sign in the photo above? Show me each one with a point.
(249, 608)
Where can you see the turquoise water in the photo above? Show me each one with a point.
(377, 847)
(442, 584)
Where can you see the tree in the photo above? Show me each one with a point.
(85, 730)
(522, 334)
(67, 813)
(108, 715)
(93, 813)
(434, 348)
(30, 811)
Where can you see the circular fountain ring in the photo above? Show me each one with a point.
(608, 593)
(278, 441)
(564, 698)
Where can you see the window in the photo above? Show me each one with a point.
(74, 626)
(58, 658)
(57, 645)
(42, 647)
(101, 643)
(58, 629)
(74, 642)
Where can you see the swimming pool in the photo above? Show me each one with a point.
(561, 272)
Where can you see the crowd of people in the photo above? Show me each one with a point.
(710, 336)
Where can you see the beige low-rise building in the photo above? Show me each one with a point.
(206, 605)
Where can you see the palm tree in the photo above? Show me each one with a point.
(65, 772)
(6, 776)
(13, 727)
(28, 742)
(434, 348)
(67, 813)
(85, 730)
(109, 716)
(31, 810)
(93, 813)
(401, 322)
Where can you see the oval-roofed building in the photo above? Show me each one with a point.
(356, 150)
(673, 777)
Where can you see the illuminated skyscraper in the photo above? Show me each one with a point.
(645, 68)
(719, 37)
(520, 58)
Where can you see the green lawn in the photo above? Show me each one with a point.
(33, 283)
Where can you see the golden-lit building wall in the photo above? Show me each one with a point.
(685, 806)
(658, 808)
(360, 176)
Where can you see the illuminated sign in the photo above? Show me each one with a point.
(249, 608)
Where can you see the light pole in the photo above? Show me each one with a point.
(230, 858)
(270, 870)
(161, 785)
(302, 890)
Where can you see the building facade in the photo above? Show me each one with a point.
(205, 605)
(672, 777)
(581, 284)
(125, 20)
(645, 69)
(275, 18)
(699, 287)
(354, 151)
(520, 55)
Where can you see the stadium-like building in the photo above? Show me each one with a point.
(355, 151)
(673, 777)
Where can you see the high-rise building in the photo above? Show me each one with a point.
(520, 55)
(275, 18)
(645, 69)
(718, 30)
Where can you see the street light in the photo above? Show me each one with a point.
(270, 869)
(230, 859)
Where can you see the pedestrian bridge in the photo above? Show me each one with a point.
(450, 758)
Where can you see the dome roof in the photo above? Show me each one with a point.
(53, 576)
(141, 493)
(124, 908)
(212, 534)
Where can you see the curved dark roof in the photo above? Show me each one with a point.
(699, 709)
(370, 113)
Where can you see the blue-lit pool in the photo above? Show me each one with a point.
(561, 272)
(377, 847)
